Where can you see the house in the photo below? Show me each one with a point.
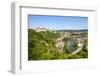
(60, 45)
(40, 29)
(80, 41)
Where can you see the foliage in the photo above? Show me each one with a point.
(41, 46)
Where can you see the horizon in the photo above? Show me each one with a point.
(57, 29)
(58, 22)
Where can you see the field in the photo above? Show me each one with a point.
(44, 44)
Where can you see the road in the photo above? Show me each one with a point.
(78, 50)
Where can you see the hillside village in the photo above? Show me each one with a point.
(45, 44)
(60, 43)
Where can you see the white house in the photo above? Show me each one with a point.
(40, 29)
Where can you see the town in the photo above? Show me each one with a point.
(60, 43)
(68, 42)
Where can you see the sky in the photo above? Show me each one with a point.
(57, 22)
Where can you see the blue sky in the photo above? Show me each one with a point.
(58, 22)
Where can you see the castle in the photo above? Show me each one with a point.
(40, 29)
